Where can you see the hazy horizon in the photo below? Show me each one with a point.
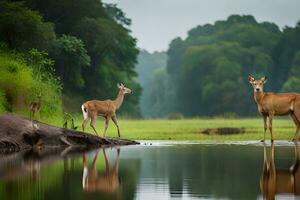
(156, 24)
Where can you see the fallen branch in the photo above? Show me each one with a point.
(18, 133)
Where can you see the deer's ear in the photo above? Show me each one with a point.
(250, 78)
(118, 85)
(264, 79)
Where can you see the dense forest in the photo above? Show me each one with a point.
(65, 50)
(71, 52)
(206, 73)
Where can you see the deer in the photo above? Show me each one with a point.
(275, 104)
(108, 181)
(278, 181)
(35, 107)
(107, 108)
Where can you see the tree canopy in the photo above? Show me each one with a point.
(89, 42)
(206, 73)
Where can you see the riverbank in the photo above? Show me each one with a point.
(189, 129)
(19, 133)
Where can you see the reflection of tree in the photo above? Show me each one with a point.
(278, 181)
(217, 171)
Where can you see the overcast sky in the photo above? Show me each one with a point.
(156, 22)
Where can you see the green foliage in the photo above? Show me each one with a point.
(284, 54)
(293, 82)
(215, 61)
(292, 85)
(71, 60)
(3, 102)
(206, 73)
(23, 29)
(21, 82)
(117, 14)
(113, 56)
(91, 46)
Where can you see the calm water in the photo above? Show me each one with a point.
(157, 171)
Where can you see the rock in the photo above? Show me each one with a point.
(19, 133)
(223, 131)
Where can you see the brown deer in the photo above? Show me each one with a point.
(107, 109)
(283, 181)
(35, 106)
(108, 181)
(271, 104)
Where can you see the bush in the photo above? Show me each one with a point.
(20, 83)
(176, 115)
(3, 102)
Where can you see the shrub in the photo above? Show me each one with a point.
(3, 102)
(21, 83)
(176, 115)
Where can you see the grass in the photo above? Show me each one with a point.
(188, 129)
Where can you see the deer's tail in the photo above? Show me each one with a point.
(84, 111)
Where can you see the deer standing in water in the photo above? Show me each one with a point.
(279, 181)
(107, 109)
(107, 182)
(35, 107)
(270, 104)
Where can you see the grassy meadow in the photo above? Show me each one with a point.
(189, 129)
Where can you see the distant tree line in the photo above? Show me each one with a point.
(89, 42)
(206, 73)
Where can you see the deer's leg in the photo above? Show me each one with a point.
(117, 160)
(295, 166)
(106, 124)
(297, 123)
(114, 118)
(106, 161)
(93, 120)
(84, 159)
(85, 171)
(265, 127)
(84, 124)
(95, 161)
(272, 178)
(270, 126)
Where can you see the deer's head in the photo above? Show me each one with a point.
(124, 89)
(258, 85)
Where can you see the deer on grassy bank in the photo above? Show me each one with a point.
(279, 181)
(270, 104)
(107, 109)
(35, 107)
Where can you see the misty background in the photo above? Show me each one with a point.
(156, 23)
(181, 58)
(175, 72)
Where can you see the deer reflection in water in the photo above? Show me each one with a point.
(279, 181)
(108, 181)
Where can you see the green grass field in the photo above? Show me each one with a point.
(188, 129)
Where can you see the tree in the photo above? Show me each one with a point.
(23, 29)
(208, 70)
(94, 50)
(284, 53)
(71, 60)
(293, 82)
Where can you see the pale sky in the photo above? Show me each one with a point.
(156, 22)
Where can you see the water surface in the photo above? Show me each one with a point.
(157, 170)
